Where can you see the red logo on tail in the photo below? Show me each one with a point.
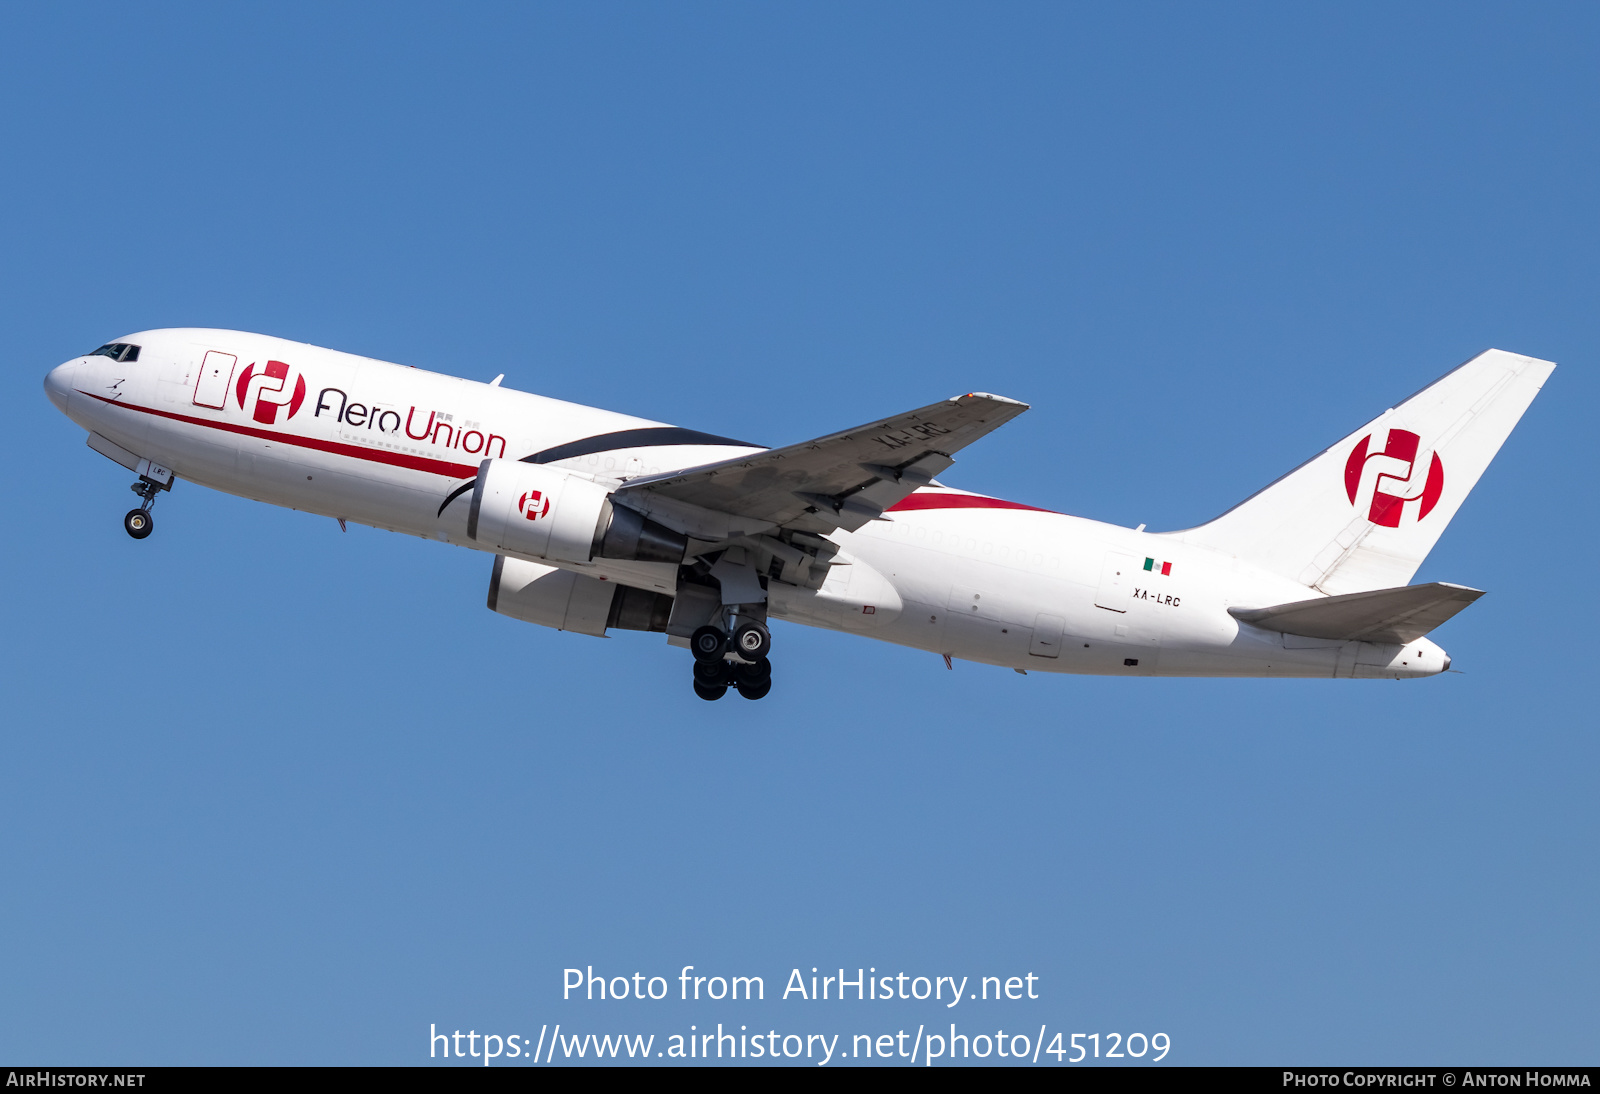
(1393, 477)
(270, 389)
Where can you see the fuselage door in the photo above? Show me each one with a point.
(1116, 582)
(1047, 635)
(216, 372)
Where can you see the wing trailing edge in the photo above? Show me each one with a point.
(840, 481)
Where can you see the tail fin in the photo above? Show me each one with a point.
(1366, 512)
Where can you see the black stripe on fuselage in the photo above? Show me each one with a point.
(650, 437)
(456, 493)
(630, 438)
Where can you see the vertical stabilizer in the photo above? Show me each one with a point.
(1366, 512)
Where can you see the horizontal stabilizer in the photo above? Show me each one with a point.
(1380, 615)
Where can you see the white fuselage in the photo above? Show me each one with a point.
(952, 573)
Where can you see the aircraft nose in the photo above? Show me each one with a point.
(58, 384)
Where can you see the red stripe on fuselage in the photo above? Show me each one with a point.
(373, 455)
(930, 500)
(919, 500)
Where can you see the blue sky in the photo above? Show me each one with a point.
(275, 794)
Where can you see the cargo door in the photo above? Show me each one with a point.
(216, 373)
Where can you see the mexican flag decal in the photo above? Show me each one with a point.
(1162, 568)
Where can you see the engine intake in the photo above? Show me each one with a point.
(545, 512)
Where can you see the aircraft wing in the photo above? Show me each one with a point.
(1379, 615)
(840, 481)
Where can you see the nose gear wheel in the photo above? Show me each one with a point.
(138, 523)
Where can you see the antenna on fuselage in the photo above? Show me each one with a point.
(496, 381)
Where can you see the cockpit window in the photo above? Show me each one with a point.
(118, 351)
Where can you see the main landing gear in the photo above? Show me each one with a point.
(749, 671)
(139, 523)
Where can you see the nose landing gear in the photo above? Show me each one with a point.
(138, 522)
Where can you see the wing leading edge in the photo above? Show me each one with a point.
(839, 481)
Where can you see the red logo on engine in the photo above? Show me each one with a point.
(274, 386)
(1393, 478)
(533, 504)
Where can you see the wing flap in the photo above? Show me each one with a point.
(1379, 615)
(840, 481)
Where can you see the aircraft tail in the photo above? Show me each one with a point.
(1382, 615)
(1364, 514)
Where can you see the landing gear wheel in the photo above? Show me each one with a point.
(712, 674)
(756, 691)
(753, 681)
(752, 642)
(708, 644)
(138, 523)
(750, 675)
(709, 694)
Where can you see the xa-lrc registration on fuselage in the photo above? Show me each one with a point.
(600, 520)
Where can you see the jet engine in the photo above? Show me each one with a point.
(566, 601)
(532, 509)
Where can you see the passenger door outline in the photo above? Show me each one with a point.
(216, 374)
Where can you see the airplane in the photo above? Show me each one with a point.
(600, 521)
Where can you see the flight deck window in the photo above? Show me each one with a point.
(118, 351)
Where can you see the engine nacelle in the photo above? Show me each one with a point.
(532, 509)
(536, 593)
